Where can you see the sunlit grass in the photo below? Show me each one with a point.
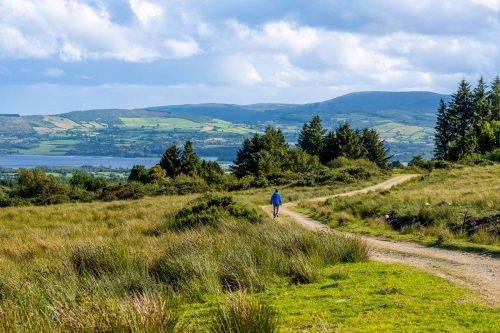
(439, 202)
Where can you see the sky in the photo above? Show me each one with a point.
(64, 55)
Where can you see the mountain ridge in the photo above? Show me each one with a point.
(404, 119)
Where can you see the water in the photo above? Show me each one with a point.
(33, 161)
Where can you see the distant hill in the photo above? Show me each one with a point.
(404, 119)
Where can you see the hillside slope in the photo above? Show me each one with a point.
(404, 119)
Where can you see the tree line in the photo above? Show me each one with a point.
(175, 162)
(268, 154)
(469, 124)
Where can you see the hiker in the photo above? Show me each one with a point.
(276, 202)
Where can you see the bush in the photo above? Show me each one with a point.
(210, 209)
(131, 190)
(243, 315)
(493, 155)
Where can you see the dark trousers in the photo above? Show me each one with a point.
(276, 209)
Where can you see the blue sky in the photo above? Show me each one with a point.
(63, 55)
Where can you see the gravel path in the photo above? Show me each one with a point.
(474, 271)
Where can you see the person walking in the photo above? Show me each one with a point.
(276, 202)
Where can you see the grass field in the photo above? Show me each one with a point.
(51, 147)
(434, 206)
(396, 132)
(214, 125)
(129, 266)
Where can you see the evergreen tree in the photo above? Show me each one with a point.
(481, 106)
(331, 148)
(349, 142)
(190, 162)
(494, 99)
(374, 146)
(139, 173)
(461, 117)
(442, 133)
(211, 172)
(311, 137)
(245, 164)
(261, 154)
(170, 161)
(274, 141)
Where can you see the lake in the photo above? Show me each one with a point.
(33, 161)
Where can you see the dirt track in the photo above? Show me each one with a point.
(477, 272)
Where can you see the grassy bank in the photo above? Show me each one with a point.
(430, 210)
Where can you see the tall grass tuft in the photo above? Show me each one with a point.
(95, 260)
(241, 314)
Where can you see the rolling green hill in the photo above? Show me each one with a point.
(404, 119)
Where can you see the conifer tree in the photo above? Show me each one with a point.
(245, 164)
(190, 162)
(170, 161)
(261, 154)
(311, 137)
(442, 132)
(331, 148)
(481, 106)
(494, 99)
(374, 146)
(461, 116)
(349, 142)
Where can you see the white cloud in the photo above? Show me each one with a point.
(491, 4)
(182, 48)
(73, 31)
(13, 43)
(276, 35)
(69, 52)
(145, 11)
(53, 72)
(238, 69)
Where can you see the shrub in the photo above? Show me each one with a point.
(493, 155)
(210, 209)
(131, 190)
(240, 314)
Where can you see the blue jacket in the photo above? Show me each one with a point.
(276, 199)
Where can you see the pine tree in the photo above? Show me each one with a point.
(461, 116)
(245, 163)
(330, 149)
(481, 105)
(349, 142)
(274, 141)
(494, 99)
(311, 137)
(374, 146)
(442, 132)
(261, 155)
(190, 162)
(170, 161)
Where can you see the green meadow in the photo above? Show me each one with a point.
(210, 263)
